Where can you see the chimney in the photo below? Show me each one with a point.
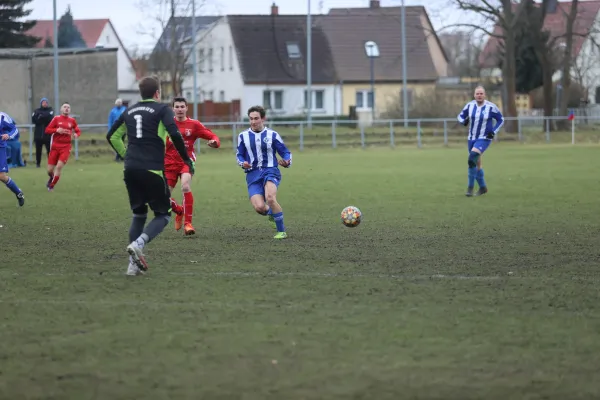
(374, 4)
(274, 9)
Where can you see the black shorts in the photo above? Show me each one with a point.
(147, 188)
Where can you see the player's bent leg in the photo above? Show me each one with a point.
(188, 203)
(56, 176)
(258, 203)
(271, 198)
(474, 155)
(12, 186)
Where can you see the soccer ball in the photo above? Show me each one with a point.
(351, 216)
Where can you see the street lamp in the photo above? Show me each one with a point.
(372, 51)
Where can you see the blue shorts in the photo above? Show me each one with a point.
(3, 163)
(479, 144)
(258, 178)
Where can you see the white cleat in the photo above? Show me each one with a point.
(133, 270)
(137, 256)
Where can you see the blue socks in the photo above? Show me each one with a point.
(12, 186)
(472, 176)
(480, 179)
(279, 221)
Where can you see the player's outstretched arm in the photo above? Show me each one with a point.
(168, 121)
(283, 151)
(116, 134)
(203, 132)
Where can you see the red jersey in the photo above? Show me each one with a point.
(61, 140)
(191, 129)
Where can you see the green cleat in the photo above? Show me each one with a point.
(280, 235)
(272, 222)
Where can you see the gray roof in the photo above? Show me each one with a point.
(349, 28)
(183, 29)
(261, 42)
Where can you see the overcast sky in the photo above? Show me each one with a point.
(130, 18)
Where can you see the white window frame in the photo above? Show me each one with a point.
(314, 100)
(272, 98)
(365, 97)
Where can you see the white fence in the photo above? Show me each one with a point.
(343, 133)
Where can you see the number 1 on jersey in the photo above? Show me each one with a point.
(138, 126)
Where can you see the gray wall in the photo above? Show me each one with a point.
(87, 81)
(14, 81)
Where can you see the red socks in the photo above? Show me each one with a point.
(177, 209)
(188, 206)
(54, 181)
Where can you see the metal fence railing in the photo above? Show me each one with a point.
(338, 133)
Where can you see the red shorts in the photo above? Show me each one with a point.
(59, 154)
(173, 172)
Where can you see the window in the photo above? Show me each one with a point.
(273, 99)
(211, 96)
(222, 96)
(409, 98)
(293, 50)
(597, 95)
(222, 59)
(231, 58)
(317, 100)
(107, 39)
(364, 99)
(201, 61)
(210, 60)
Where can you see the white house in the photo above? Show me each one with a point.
(586, 52)
(261, 60)
(98, 33)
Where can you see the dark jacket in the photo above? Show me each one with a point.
(41, 118)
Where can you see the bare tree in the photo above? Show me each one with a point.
(170, 28)
(463, 48)
(499, 13)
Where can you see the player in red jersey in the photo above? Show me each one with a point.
(63, 129)
(175, 168)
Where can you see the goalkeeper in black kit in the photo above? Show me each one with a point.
(146, 124)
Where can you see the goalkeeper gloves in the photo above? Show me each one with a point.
(466, 121)
(489, 135)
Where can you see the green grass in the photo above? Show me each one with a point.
(433, 296)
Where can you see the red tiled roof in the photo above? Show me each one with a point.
(555, 23)
(90, 29)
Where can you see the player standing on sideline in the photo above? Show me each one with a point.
(256, 155)
(146, 124)
(486, 121)
(175, 168)
(62, 128)
(8, 131)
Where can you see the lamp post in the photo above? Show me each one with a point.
(55, 57)
(404, 89)
(372, 51)
(194, 60)
(309, 67)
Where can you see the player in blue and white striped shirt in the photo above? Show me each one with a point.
(8, 131)
(257, 154)
(485, 122)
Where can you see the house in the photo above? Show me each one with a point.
(261, 59)
(586, 52)
(98, 33)
(164, 62)
(348, 29)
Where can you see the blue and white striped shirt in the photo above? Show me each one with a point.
(7, 127)
(483, 119)
(260, 148)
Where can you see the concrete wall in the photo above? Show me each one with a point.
(89, 82)
(14, 81)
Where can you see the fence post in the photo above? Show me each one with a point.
(519, 129)
(31, 143)
(392, 142)
(76, 149)
(333, 143)
(445, 133)
(234, 132)
(547, 131)
(419, 144)
(362, 135)
(301, 136)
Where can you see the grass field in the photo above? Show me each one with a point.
(433, 296)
